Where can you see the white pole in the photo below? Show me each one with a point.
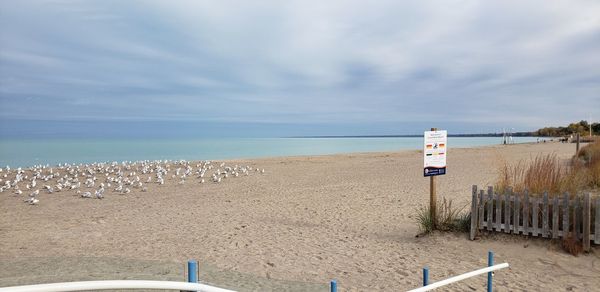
(460, 277)
(114, 284)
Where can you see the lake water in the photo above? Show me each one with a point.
(22, 152)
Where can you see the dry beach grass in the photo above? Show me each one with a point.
(305, 221)
(549, 173)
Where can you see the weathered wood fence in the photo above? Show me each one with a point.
(550, 217)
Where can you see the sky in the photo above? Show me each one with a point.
(286, 68)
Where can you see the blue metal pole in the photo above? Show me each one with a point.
(192, 271)
(490, 263)
(425, 276)
(333, 286)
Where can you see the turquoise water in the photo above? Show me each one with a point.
(22, 153)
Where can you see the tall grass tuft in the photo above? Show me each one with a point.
(589, 159)
(424, 220)
(543, 173)
(448, 218)
(537, 175)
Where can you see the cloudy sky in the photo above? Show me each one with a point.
(299, 67)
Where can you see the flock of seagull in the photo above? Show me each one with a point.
(93, 180)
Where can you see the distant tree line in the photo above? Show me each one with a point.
(582, 127)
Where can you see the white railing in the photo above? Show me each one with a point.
(184, 286)
(114, 284)
(460, 277)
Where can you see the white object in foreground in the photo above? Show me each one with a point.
(116, 284)
(459, 277)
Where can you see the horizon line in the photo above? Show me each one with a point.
(518, 134)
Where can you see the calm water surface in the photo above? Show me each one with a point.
(21, 152)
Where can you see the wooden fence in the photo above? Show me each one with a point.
(549, 217)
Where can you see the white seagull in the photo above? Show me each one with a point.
(32, 201)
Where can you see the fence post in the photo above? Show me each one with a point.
(333, 286)
(517, 214)
(490, 263)
(577, 147)
(586, 222)
(535, 211)
(490, 214)
(507, 210)
(425, 276)
(577, 218)
(474, 216)
(498, 222)
(597, 224)
(481, 212)
(545, 224)
(555, 211)
(192, 271)
(526, 206)
(566, 214)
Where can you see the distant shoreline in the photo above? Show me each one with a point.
(520, 134)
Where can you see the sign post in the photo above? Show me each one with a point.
(434, 159)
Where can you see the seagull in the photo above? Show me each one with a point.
(32, 201)
(86, 195)
(75, 186)
(99, 193)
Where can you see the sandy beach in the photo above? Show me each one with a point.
(303, 222)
